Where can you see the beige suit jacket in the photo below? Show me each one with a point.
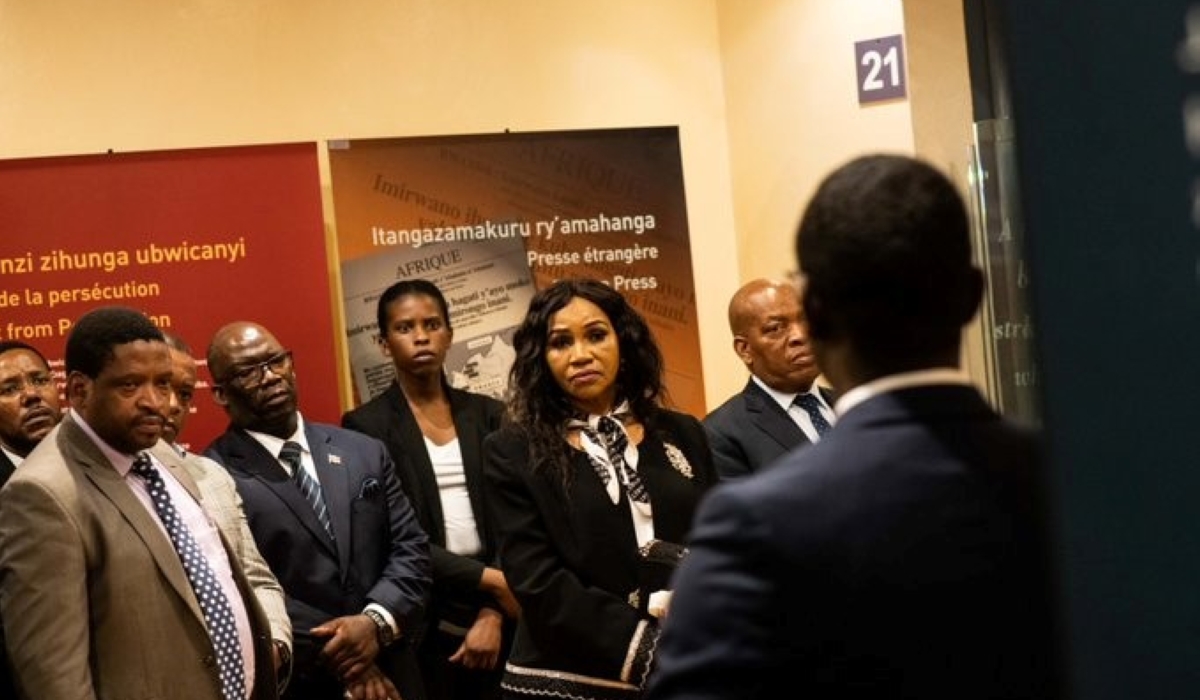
(94, 599)
(221, 501)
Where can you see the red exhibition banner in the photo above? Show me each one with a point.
(192, 238)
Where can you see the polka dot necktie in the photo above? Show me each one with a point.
(309, 487)
(812, 406)
(218, 613)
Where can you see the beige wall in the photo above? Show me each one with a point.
(793, 114)
(763, 92)
(793, 111)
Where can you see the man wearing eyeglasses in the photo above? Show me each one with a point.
(330, 518)
(29, 405)
(29, 409)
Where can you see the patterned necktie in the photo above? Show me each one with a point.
(309, 487)
(812, 406)
(613, 437)
(218, 613)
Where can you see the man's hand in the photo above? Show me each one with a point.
(352, 647)
(480, 649)
(372, 685)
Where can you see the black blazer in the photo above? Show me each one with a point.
(899, 557)
(572, 558)
(381, 554)
(388, 418)
(6, 468)
(750, 431)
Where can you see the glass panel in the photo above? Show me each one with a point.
(1008, 327)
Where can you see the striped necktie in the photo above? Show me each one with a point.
(309, 487)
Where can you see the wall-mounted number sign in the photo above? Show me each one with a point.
(880, 68)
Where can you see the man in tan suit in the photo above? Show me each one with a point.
(220, 498)
(95, 598)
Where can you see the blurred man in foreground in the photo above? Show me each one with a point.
(901, 556)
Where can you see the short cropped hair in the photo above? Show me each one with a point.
(885, 247)
(94, 337)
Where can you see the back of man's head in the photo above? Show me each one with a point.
(884, 246)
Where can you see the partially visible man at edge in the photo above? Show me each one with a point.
(29, 403)
(29, 410)
(220, 499)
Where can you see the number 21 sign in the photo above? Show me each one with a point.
(880, 68)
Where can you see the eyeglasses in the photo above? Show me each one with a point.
(16, 387)
(247, 376)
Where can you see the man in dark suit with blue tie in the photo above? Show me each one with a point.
(781, 407)
(328, 515)
(901, 556)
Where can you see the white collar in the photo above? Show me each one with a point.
(785, 399)
(894, 382)
(274, 444)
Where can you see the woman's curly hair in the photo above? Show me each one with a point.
(539, 407)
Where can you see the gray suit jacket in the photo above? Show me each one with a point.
(95, 600)
(750, 431)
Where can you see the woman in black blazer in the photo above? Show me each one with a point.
(592, 488)
(434, 434)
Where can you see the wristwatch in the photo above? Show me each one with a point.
(382, 628)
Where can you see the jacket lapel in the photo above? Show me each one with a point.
(402, 430)
(471, 431)
(77, 446)
(249, 457)
(7, 468)
(331, 463)
(772, 420)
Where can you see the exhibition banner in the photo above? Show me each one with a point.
(492, 218)
(192, 238)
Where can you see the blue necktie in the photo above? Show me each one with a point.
(812, 406)
(218, 613)
(309, 487)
